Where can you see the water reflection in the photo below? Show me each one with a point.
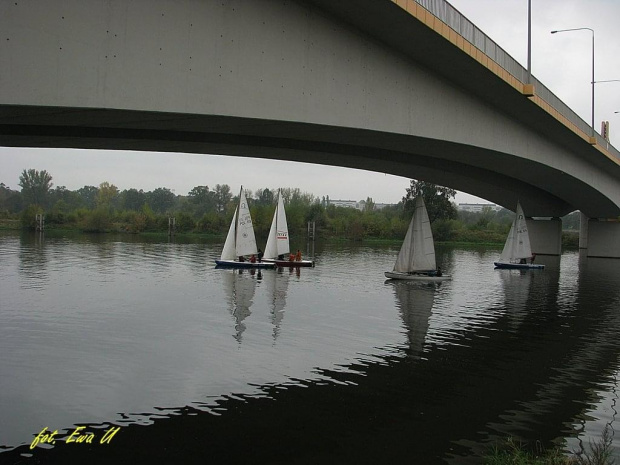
(277, 284)
(34, 259)
(489, 355)
(415, 304)
(240, 287)
(516, 285)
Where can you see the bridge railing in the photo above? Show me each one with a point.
(460, 24)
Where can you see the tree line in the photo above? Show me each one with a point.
(208, 210)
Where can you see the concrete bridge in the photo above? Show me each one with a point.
(403, 87)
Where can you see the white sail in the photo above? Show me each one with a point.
(278, 241)
(418, 250)
(228, 252)
(518, 242)
(245, 241)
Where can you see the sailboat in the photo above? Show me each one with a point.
(240, 240)
(416, 259)
(517, 250)
(278, 240)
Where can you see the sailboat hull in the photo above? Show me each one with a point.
(288, 263)
(518, 266)
(416, 276)
(237, 264)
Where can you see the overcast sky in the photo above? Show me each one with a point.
(563, 62)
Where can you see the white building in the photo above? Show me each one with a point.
(348, 203)
(358, 204)
(478, 207)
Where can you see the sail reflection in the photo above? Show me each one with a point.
(277, 283)
(240, 287)
(516, 284)
(415, 303)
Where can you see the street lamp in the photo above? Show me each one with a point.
(529, 41)
(593, 82)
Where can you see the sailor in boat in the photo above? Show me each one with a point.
(252, 258)
(523, 261)
(298, 255)
(260, 255)
(436, 272)
(241, 258)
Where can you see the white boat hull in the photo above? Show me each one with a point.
(416, 276)
(288, 263)
(518, 266)
(238, 264)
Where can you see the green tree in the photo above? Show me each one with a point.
(10, 200)
(436, 198)
(369, 205)
(132, 199)
(223, 197)
(106, 196)
(71, 200)
(571, 221)
(88, 194)
(161, 200)
(265, 197)
(35, 186)
(201, 200)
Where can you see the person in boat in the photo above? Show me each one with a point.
(533, 257)
(438, 271)
(298, 256)
(260, 255)
(523, 262)
(291, 257)
(252, 258)
(241, 258)
(281, 256)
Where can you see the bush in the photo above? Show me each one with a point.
(570, 240)
(97, 221)
(29, 216)
(185, 222)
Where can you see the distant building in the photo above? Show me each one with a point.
(478, 207)
(357, 204)
(348, 203)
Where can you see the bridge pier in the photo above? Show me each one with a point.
(601, 238)
(583, 231)
(545, 236)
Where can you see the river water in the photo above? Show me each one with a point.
(331, 364)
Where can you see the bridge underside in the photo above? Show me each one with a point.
(494, 176)
(354, 83)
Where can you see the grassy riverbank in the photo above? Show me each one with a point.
(460, 238)
(512, 452)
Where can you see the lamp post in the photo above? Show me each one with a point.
(593, 81)
(529, 41)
